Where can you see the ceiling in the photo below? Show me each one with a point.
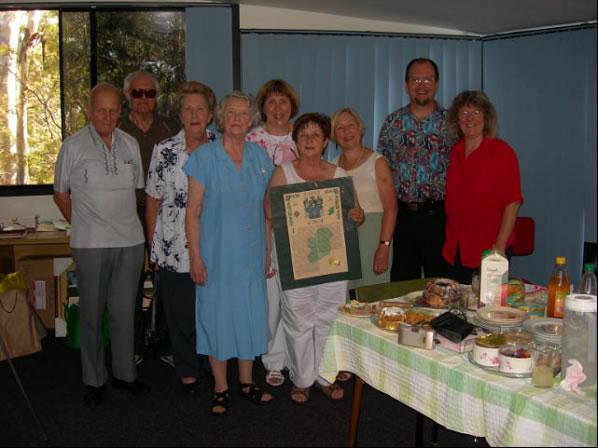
(480, 17)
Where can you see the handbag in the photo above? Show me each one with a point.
(452, 327)
(17, 319)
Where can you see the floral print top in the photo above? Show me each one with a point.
(167, 181)
(280, 148)
(417, 152)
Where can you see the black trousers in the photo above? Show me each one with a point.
(141, 324)
(418, 240)
(463, 274)
(177, 292)
(460, 273)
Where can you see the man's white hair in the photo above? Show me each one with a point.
(139, 74)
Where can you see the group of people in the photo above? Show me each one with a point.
(438, 190)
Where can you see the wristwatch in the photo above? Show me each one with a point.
(386, 243)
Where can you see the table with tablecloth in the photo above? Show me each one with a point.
(460, 396)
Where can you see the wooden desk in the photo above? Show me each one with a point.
(33, 245)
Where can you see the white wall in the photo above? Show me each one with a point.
(266, 18)
(27, 206)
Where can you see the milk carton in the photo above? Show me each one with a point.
(494, 279)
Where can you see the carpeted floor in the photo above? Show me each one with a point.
(166, 417)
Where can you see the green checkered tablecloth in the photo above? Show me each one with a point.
(447, 388)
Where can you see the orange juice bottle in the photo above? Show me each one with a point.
(558, 289)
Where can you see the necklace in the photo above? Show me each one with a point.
(309, 174)
(344, 163)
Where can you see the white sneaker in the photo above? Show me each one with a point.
(168, 359)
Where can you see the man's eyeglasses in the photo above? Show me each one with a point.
(420, 81)
(138, 93)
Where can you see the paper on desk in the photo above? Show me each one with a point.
(45, 226)
(61, 224)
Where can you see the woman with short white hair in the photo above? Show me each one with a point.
(226, 230)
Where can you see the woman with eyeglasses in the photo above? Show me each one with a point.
(166, 200)
(308, 312)
(277, 103)
(483, 191)
(228, 249)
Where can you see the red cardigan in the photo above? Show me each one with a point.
(477, 191)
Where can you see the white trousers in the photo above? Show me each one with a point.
(275, 359)
(307, 315)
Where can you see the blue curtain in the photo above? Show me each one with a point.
(543, 86)
(209, 47)
(366, 72)
(544, 90)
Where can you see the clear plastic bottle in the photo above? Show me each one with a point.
(588, 280)
(579, 337)
(558, 288)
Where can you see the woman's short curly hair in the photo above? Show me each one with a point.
(472, 98)
(354, 114)
(277, 86)
(236, 94)
(320, 120)
(195, 88)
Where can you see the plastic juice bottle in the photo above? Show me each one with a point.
(588, 280)
(494, 279)
(558, 288)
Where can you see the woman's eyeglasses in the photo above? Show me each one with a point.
(138, 93)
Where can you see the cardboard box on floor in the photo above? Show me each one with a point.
(62, 268)
(39, 275)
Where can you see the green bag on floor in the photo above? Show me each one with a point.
(73, 330)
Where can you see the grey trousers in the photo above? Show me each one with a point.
(107, 278)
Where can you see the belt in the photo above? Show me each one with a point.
(421, 207)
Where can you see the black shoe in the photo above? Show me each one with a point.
(191, 388)
(134, 387)
(93, 396)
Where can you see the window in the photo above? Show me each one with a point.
(49, 59)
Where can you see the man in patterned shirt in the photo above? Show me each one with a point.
(415, 142)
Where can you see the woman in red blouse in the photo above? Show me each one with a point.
(483, 191)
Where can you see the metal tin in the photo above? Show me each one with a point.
(417, 336)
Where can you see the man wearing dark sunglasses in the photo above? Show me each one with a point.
(141, 90)
(143, 122)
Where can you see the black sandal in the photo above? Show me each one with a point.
(220, 400)
(254, 394)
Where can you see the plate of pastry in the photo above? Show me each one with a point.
(358, 309)
(390, 318)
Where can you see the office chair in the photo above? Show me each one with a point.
(524, 231)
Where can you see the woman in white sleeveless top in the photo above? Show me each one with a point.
(308, 312)
(373, 182)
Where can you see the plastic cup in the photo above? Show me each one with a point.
(543, 362)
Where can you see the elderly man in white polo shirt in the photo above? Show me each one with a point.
(97, 172)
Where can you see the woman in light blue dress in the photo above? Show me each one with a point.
(227, 248)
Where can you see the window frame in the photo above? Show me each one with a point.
(48, 189)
